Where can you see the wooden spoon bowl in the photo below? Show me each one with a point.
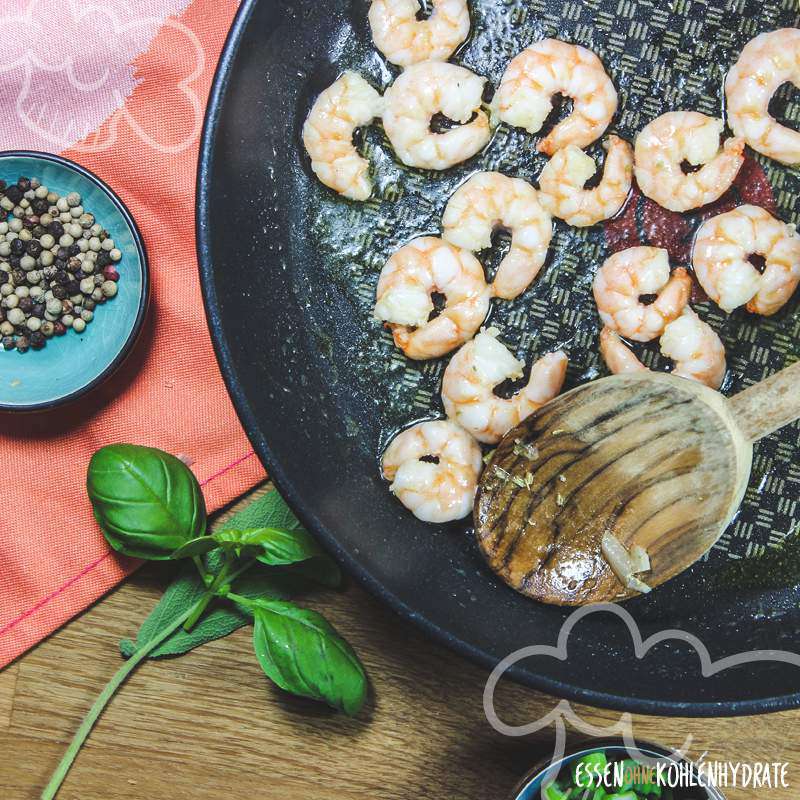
(658, 461)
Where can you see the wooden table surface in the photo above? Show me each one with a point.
(208, 725)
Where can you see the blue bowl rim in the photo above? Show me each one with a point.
(586, 746)
(144, 297)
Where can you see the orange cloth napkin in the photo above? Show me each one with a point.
(124, 96)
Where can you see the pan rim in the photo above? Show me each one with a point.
(560, 689)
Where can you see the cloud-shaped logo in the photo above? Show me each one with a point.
(563, 712)
(68, 67)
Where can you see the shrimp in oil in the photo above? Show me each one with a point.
(625, 278)
(561, 183)
(693, 345)
(348, 104)
(405, 39)
(721, 254)
(488, 201)
(552, 67)
(667, 142)
(481, 365)
(441, 487)
(406, 286)
(423, 91)
(765, 64)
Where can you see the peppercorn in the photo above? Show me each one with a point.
(103, 259)
(48, 328)
(17, 247)
(38, 340)
(8, 343)
(73, 250)
(18, 275)
(33, 323)
(73, 265)
(16, 316)
(59, 329)
(110, 273)
(59, 292)
(23, 343)
(25, 305)
(61, 277)
(39, 205)
(2, 186)
(34, 248)
(38, 310)
(78, 325)
(14, 194)
(24, 183)
(73, 287)
(55, 229)
(109, 289)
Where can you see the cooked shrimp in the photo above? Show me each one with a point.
(424, 90)
(404, 297)
(435, 491)
(628, 275)
(487, 201)
(767, 62)
(548, 68)
(328, 134)
(404, 39)
(564, 175)
(693, 345)
(721, 260)
(480, 365)
(669, 140)
(618, 356)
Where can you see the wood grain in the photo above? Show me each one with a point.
(655, 460)
(208, 725)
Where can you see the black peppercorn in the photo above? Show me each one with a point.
(17, 247)
(62, 254)
(48, 272)
(60, 263)
(61, 277)
(59, 292)
(40, 206)
(72, 287)
(74, 264)
(24, 183)
(2, 314)
(9, 343)
(37, 340)
(18, 275)
(73, 250)
(34, 248)
(14, 194)
(14, 261)
(5, 277)
(2, 186)
(55, 229)
(39, 231)
(38, 310)
(25, 304)
(23, 343)
(59, 329)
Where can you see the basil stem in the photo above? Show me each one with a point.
(102, 701)
(116, 681)
(219, 580)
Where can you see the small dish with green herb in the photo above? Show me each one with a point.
(606, 771)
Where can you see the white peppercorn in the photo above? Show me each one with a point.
(87, 285)
(76, 212)
(109, 288)
(6, 289)
(12, 301)
(115, 254)
(67, 320)
(27, 263)
(47, 241)
(107, 244)
(74, 230)
(66, 240)
(22, 291)
(78, 325)
(6, 328)
(72, 200)
(86, 315)
(54, 306)
(61, 204)
(15, 225)
(16, 316)
(41, 192)
(33, 323)
(37, 293)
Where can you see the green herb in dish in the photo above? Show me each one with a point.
(149, 505)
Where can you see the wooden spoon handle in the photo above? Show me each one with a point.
(769, 405)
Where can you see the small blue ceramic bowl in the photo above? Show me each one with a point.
(530, 788)
(69, 366)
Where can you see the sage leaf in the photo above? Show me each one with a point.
(147, 502)
(302, 653)
(272, 546)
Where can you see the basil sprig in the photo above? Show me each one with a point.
(149, 505)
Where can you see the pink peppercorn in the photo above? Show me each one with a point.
(110, 274)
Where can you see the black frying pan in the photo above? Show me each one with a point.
(289, 272)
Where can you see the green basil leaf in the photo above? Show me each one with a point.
(147, 502)
(271, 546)
(194, 547)
(303, 654)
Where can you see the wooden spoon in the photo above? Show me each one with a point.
(658, 461)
